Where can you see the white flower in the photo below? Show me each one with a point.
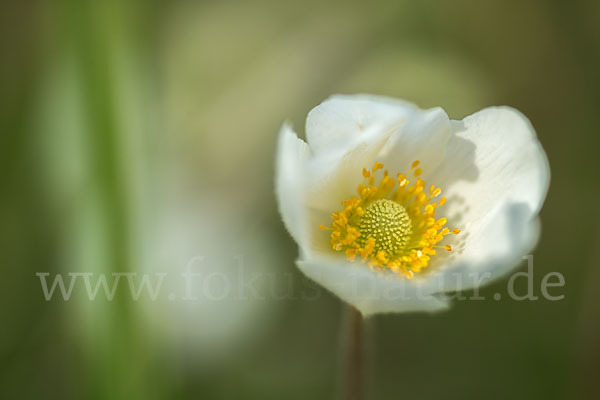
(374, 233)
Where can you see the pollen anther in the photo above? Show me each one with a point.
(392, 225)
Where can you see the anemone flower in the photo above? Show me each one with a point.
(393, 206)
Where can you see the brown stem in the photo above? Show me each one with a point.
(353, 378)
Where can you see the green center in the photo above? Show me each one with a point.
(388, 223)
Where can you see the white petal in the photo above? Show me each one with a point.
(491, 249)
(494, 156)
(346, 134)
(334, 177)
(496, 177)
(292, 155)
(424, 137)
(349, 133)
(336, 123)
(369, 292)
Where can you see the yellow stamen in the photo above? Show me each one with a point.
(377, 166)
(392, 225)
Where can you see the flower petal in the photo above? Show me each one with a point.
(492, 248)
(349, 133)
(337, 123)
(498, 177)
(494, 157)
(424, 137)
(369, 292)
(292, 155)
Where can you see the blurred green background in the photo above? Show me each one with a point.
(137, 135)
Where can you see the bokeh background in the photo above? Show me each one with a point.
(137, 135)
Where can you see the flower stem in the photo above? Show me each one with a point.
(353, 353)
